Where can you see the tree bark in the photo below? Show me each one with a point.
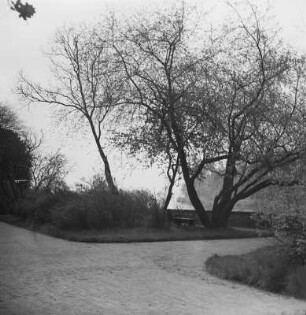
(169, 195)
(221, 213)
(197, 204)
(192, 193)
(108, 176)
(107, 171)
(224, 203)
(171, 174)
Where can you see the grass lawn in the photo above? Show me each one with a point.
(267, 268)
(136, 234)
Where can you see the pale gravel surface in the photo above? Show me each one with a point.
(43, 275)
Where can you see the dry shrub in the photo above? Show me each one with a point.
(265, 268)
(36, 207)
(93, 208)
(98, 208)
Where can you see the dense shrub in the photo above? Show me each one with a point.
(264, 268)
(69, 214)
(289, 230)
(93, 208)
(37, 206)
(283, 212)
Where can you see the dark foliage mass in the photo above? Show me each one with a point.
(15, 159)
(22, 166)
(93, 208)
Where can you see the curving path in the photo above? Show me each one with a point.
(44, 275)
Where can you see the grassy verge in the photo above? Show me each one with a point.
(139, 234)
(267, 268)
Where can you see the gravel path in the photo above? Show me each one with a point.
(44, 275)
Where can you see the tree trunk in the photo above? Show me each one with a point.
(168, 197)
(224, 203)
(171, 174)
(192, 193)
(108, 175)
(221, 213)
(197, 204)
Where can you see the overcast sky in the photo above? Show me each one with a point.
(22, 43)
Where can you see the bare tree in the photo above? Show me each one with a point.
(87, 84)
(48, 171)
(236, 100)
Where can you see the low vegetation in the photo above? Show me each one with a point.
(127, 235)
(280, 268)
(93, 208)
(267, 268)
(96, 215)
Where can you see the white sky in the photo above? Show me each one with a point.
(22, 43)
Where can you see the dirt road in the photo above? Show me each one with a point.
(44, 275)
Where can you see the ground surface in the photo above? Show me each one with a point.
(44, 275)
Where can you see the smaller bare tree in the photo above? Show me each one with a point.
(48, 171)
(87, 84)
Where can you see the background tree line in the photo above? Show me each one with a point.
(193, 98)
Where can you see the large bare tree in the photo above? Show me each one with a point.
(86, 84)
(234, 98)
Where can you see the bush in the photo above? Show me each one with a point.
(69, 214)
(35, 206)
(92, 208)
(262, 220)
(264, 268)
(267, 268)
(289, 230)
